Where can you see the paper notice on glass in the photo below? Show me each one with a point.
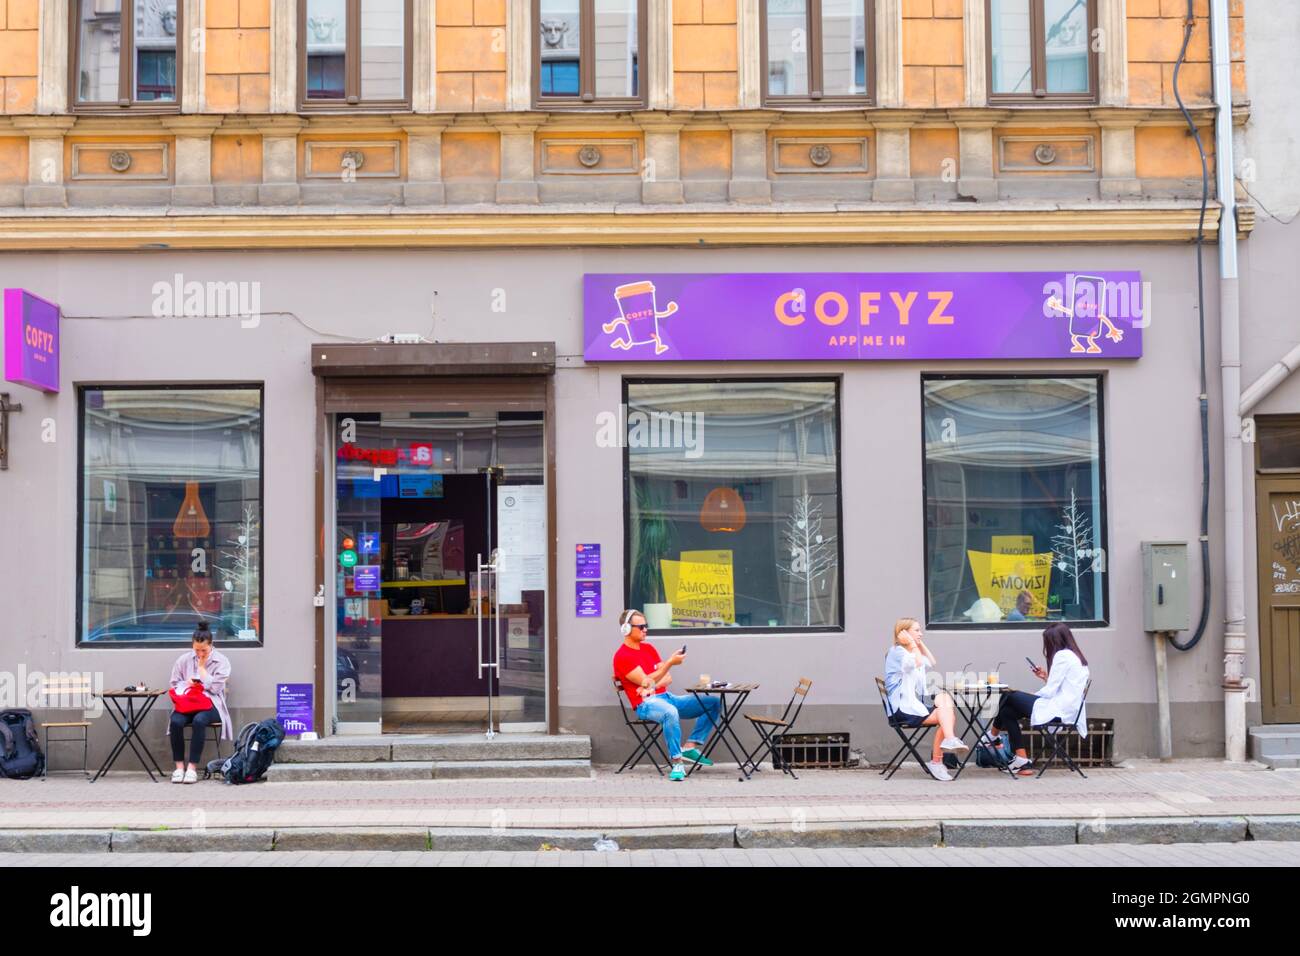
(521, 541)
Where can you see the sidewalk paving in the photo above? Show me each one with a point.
(641, 799)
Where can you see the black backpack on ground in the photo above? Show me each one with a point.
(20, 748)
(255, 749)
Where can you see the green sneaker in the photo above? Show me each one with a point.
(677, 773)
(695, 756)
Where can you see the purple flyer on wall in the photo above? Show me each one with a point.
(365, 577)
(588, 598)
(293, 708)
(587, 560)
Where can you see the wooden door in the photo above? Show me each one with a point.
(1278, 537)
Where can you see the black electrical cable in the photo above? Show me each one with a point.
(1188, 25)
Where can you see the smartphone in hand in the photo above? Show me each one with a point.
(1032, 666)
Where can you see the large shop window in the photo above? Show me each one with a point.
(171, 514)
(733, 504)
(1014, 500)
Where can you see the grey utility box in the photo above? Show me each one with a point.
(1166, 604)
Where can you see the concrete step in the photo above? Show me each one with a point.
(392, 770)
(1275, 740)
(1282, 763)
(436, 747)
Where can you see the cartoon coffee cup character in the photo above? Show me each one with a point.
(638, 323)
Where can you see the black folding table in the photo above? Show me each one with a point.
(129, 725)
(726, 714)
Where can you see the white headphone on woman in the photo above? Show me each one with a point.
(625, 621)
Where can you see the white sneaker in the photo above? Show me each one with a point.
(1019, 763)
(178, 776)
(954, 744)
(939, 771)
(191, 776)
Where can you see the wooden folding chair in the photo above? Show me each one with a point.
(1053, 736)
(646, 732)
(909, 741)
(771, 729)
(67, 688)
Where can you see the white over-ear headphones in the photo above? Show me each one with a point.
(625, 623)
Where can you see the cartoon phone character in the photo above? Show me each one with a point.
(1087, 294)
(638, 323)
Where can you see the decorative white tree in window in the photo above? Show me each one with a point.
(238, 569)
(1072, 545)
(812, 553)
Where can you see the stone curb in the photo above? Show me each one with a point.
(54, 841)
(904, 834)
(190, 841)
(1009, 832)
(908, 833)
(1273, 828)
(1166, 830)
(475, 840)
(346, 838)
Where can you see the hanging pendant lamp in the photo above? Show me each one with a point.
(191, 521)
(723, 510)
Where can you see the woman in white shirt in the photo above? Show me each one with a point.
(1060, 698)
(905, 666)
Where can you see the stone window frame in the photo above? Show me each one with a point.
(125, 66)
(587, 98)
(1038, 61)
(816, 97)
(352, 101)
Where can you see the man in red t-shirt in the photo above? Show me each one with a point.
(645, 680)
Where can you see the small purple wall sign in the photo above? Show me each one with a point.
(587, 598)
(587, 562)
(293, 708)
(852, 316)
(31, 340)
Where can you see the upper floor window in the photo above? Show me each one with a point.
(125, 53)
(1042, 49)
(818, 51)
(355, 53)
(588, 52)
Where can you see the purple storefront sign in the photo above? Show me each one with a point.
(587, 598)
(293, 708)
(850, 316)
(31, 340)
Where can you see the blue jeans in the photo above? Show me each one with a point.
(670, 709)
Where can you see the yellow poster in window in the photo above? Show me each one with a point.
(1012, 544)
(701, 587)
(1001, 578)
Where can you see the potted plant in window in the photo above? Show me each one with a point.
(655, 539)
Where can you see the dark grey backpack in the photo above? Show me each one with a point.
(20, 747)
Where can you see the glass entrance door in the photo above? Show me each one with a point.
(426, 640)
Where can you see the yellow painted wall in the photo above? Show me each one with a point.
(238, 56)
(19, 55)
